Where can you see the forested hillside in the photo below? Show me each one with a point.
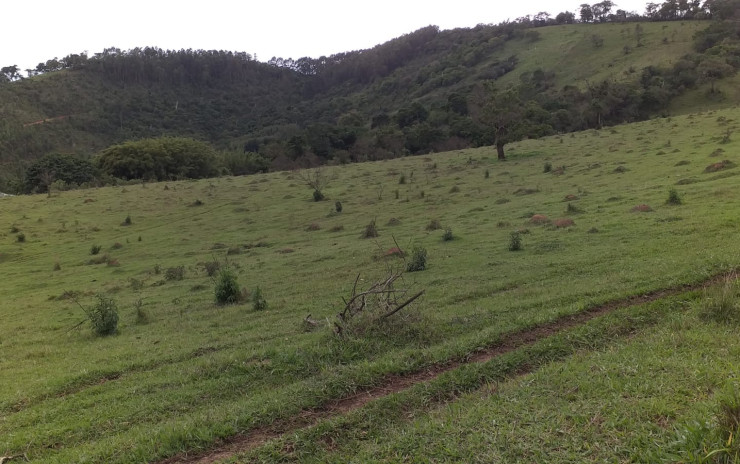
(429, 90)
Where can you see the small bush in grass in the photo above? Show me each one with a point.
(142, 317)
(418, 261)
(258, 300)
(370, 231)
(402, 179)
(547, 167)
(673, 198)
(447, 236)
(127, 221)
(338, 206)
(14, 229)
(136, 284)
(317, 195)
(212, 268)
(722, 303)
(515, 241)
(227, 287)
(487, 174)
(103, 316)
(434, 224)
(20, 238)
(157, 268)
(57, 267)
(175, 273)
(95, 249)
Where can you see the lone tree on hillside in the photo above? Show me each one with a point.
(510, 118)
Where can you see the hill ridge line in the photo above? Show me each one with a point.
(258, 436)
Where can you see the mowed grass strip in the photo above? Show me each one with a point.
(197, 372)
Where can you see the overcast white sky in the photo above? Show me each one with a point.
(37, 30)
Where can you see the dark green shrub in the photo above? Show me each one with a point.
(136, 284)
(227, 288)
(159, 158)
(21, 237)
(338, 206)
(515, 241)
(402, 179)
(487, 174)
(447, 236)
(547, 167)
(258, 300)
(673, 198)
(418, 261)
(57, 267)
(95, 249)
(127, 221)
(68, 169)
(317, 195)
(174, 273)
(103, 316)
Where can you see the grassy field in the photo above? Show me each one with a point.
(183, 372)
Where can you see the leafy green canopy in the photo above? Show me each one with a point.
(68, 168)
(160, 158)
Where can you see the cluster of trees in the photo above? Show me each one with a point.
(161, 158)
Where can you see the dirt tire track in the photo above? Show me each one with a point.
(397, 383)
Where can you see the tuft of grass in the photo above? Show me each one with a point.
(371, 230)
(338, 206)
(434, 224)
(95, 249)
(226, 288)
(175, 273)
(103, 316)
(142, 316)
(127, 221)
(447, 236)
(673, 198)
(258, 300)
(20, 238)
(418, 260)
(721, 303)
(547, 167)
(515, 241)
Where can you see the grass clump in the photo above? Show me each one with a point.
(338, 206)
(20, 238)
(211, 268)
(434, 224)
(103, 316)
(127, 221)
(673, 198)
(95, 249)
(515, 241)
(226, 289)
(722, 303)
(418, 261)
(447, 236)
(258, 300)
(175, 273)
(547, 167)
(371, 230)
(142, 317)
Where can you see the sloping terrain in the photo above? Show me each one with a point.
(182, 374)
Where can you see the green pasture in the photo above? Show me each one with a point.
(190, 372)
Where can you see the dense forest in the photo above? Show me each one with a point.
(429, 90)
